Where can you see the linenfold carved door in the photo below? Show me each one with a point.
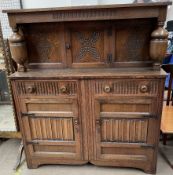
(52, 127)
(120, 124)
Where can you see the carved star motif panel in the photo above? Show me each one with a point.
(87, 46)
(45, 43)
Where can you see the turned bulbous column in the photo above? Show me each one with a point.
(158, 45)
(18, 49)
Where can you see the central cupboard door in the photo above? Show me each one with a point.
(88, 45)
(52, 127)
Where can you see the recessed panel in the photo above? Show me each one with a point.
(45, 42)
(49, 107)
(55, 149)
(121, 107)
(132, 40)
(126, 151)
(124, 130)
(52, 128)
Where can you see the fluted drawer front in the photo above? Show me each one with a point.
(126, 87)
(46, 88)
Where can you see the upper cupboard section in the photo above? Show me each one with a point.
(117, 43)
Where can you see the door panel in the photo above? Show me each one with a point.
(45, 44)
(124, 130)
(45, 128)
(121, 123)
(52, 126)
(87, 44)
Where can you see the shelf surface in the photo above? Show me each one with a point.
(89, 73)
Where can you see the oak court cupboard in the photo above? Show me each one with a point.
(89, 86)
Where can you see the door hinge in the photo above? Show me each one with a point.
(150, 116)
(32, 142)
(25, 114)
(148, 146)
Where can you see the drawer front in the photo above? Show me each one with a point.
(126, 87)
(46, 88)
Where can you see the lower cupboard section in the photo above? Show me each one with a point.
(97, 124)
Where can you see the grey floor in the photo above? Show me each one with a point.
(9, 149)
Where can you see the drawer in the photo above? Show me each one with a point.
(46, 88)
(126, 87)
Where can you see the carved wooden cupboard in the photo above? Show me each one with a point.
(89, 86)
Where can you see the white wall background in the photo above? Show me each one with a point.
(170, 13)
(61, 3)
(7, 4)
(44, 3)
(64, 3)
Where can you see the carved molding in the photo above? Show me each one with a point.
(92, 14)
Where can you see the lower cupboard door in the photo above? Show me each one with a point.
(124, 130)
(52, 128)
